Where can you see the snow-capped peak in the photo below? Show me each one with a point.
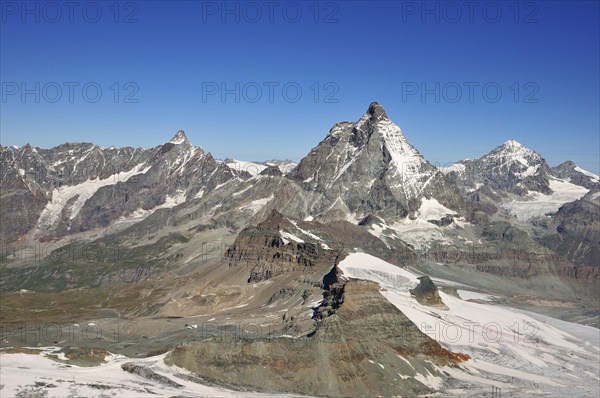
(513, 159)
(512, 144)
(179, 138)
(512, 151)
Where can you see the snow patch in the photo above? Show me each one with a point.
(257, 204)
(538, 204)
(83, 191)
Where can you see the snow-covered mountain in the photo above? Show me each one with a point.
(369, 167)
(510, 168)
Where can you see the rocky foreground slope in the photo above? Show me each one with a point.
(367, 347)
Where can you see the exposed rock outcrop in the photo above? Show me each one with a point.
(367, 347)
(426, 293)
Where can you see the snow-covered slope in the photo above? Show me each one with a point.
(19, 374)
(523, 354)
(538, 204)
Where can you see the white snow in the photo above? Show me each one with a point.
(587, 173)
(405, 159)
(251, 167)
(512, 153)
(431, 209)
(417, 232)
(238, 193)
(469, 295)
(257, 204)
(504, 343)
(304, 231)
(84, 191)
(538, 204)
(199, 194)
(21, 370)
(178, 139)
(286, 236)
(459, 168)
(172, 201)
(284, 166)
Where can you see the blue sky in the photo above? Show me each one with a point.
(533, 71)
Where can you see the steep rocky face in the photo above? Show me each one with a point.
(269, 250)
(571, 172)
(281, 245)
(367, 347)
(574, 231)
(369, 167)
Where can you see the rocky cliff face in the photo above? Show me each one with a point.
(426, 293)
(269, 249)
(367, 347)
(574, 231)
(385, 172)
(571, 172)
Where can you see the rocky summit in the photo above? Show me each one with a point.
(362, 270)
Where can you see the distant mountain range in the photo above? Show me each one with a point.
(364, 170)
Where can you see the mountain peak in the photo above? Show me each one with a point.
(376, 111)
(179, 138)
(512, 144)
(516, 151)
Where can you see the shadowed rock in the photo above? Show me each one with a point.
(426, 293)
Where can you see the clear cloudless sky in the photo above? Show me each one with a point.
(533, 68)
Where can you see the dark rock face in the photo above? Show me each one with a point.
(574, 231)
(572, 173)
(426, 292)
(333, 295)
(271, 171)
(267, 253)
(147, 373)
(339, 359)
